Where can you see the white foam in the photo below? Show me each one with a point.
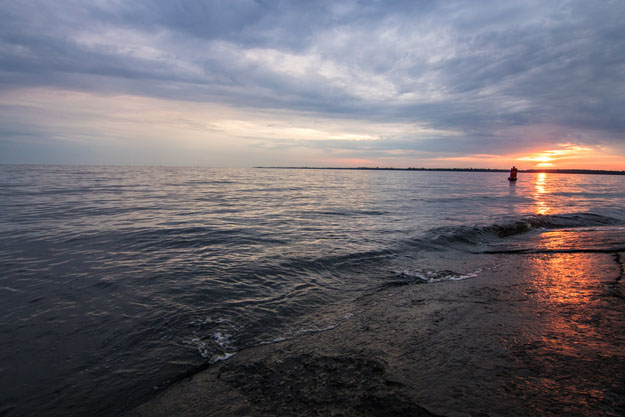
(276, 340)
(311, 330)
(222, 339)
(218, 358)
(200, 345)
(432, 276)
(210, 320)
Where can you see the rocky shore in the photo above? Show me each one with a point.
(531, 335)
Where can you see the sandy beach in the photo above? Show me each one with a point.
(531, 335)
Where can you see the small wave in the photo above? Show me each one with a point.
(207, 351)
(594, 239)
(200, 345)
(218, 345)
(305, 331)
(481, 234)
(223, 357)
(346, 213)
(191, 237)
(432, 276)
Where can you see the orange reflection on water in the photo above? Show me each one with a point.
(572, 339)
(576, 327)
(540, 191)
(565, 239)
(558, 282)
(569, 287)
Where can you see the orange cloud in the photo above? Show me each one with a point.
(570, 155)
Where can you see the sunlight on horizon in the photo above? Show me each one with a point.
(134, 129)
(561, 158)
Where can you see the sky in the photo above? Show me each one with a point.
(243, 83)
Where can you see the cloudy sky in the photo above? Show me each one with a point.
(321, 83)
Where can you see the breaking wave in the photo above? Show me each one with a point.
(483, 234)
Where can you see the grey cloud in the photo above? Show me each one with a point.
(280, 23)
(501, 64)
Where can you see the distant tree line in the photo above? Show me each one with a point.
(530, 171)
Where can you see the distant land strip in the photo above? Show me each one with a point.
(529, 171)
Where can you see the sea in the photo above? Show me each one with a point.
(116, 282)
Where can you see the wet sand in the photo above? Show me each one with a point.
(531, 335)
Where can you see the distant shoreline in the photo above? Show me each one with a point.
(529, 171)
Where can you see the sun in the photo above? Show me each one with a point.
(566, 154)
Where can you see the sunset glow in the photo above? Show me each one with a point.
(355, 207)
(306, 83)
(573, 156)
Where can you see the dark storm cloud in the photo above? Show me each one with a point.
(475, 68)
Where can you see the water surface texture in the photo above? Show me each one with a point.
(117, 281)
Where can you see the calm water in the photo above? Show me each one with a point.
(117, 281)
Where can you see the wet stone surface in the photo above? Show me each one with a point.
(535, 335)
(312, 385)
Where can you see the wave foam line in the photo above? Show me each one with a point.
(302, 332)
(478, 234)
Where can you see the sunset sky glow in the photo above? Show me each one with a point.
(356, 83)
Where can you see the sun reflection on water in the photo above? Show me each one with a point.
(540, 190)
(575, 328)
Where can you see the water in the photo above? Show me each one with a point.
(117, 281)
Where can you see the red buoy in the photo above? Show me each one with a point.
(513, 172)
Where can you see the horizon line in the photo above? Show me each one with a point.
(363, 168)
(529, 170)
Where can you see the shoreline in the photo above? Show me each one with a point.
(525, 171)
(532, 334)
